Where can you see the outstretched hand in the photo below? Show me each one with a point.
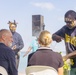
(57, 38)
(14, 47)
(65, 58)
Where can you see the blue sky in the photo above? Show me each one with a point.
(22, 11)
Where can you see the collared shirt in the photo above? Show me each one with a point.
(17, 40)
(46, 57)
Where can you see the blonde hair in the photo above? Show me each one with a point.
(45, 38)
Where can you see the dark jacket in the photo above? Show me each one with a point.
(7, 59)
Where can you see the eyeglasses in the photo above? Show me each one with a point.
(68, 20)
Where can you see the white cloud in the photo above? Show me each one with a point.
(44, 5)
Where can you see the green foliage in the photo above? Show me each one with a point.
(66, 64)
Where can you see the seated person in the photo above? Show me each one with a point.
(44, 55)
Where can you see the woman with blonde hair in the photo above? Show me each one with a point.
(45, 56)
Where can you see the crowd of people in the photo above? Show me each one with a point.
(11, 43)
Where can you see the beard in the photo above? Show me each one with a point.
(9, 45)
(12, 30)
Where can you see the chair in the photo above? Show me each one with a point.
(40, 70)
(3, 71)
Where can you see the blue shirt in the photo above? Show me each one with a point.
(34, 45)
(17, 40)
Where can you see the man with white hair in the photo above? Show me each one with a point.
(7, 56)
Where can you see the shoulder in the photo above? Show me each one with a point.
(8, 51)
(30, 55)
(64, 27)
(57, 54)
(5, 48)
(17, 33)
(61, 31)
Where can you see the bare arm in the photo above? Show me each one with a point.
(57, 38)
(60, 71)
(29, 49)
(70, 55)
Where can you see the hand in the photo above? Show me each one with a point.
(65, 58)
(14, 47)
(57, 38)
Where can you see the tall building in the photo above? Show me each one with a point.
(37, 24)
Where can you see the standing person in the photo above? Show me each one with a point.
(68, 34)
(33, 46)
(7, 56)
(17, 41)
(44, 55)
